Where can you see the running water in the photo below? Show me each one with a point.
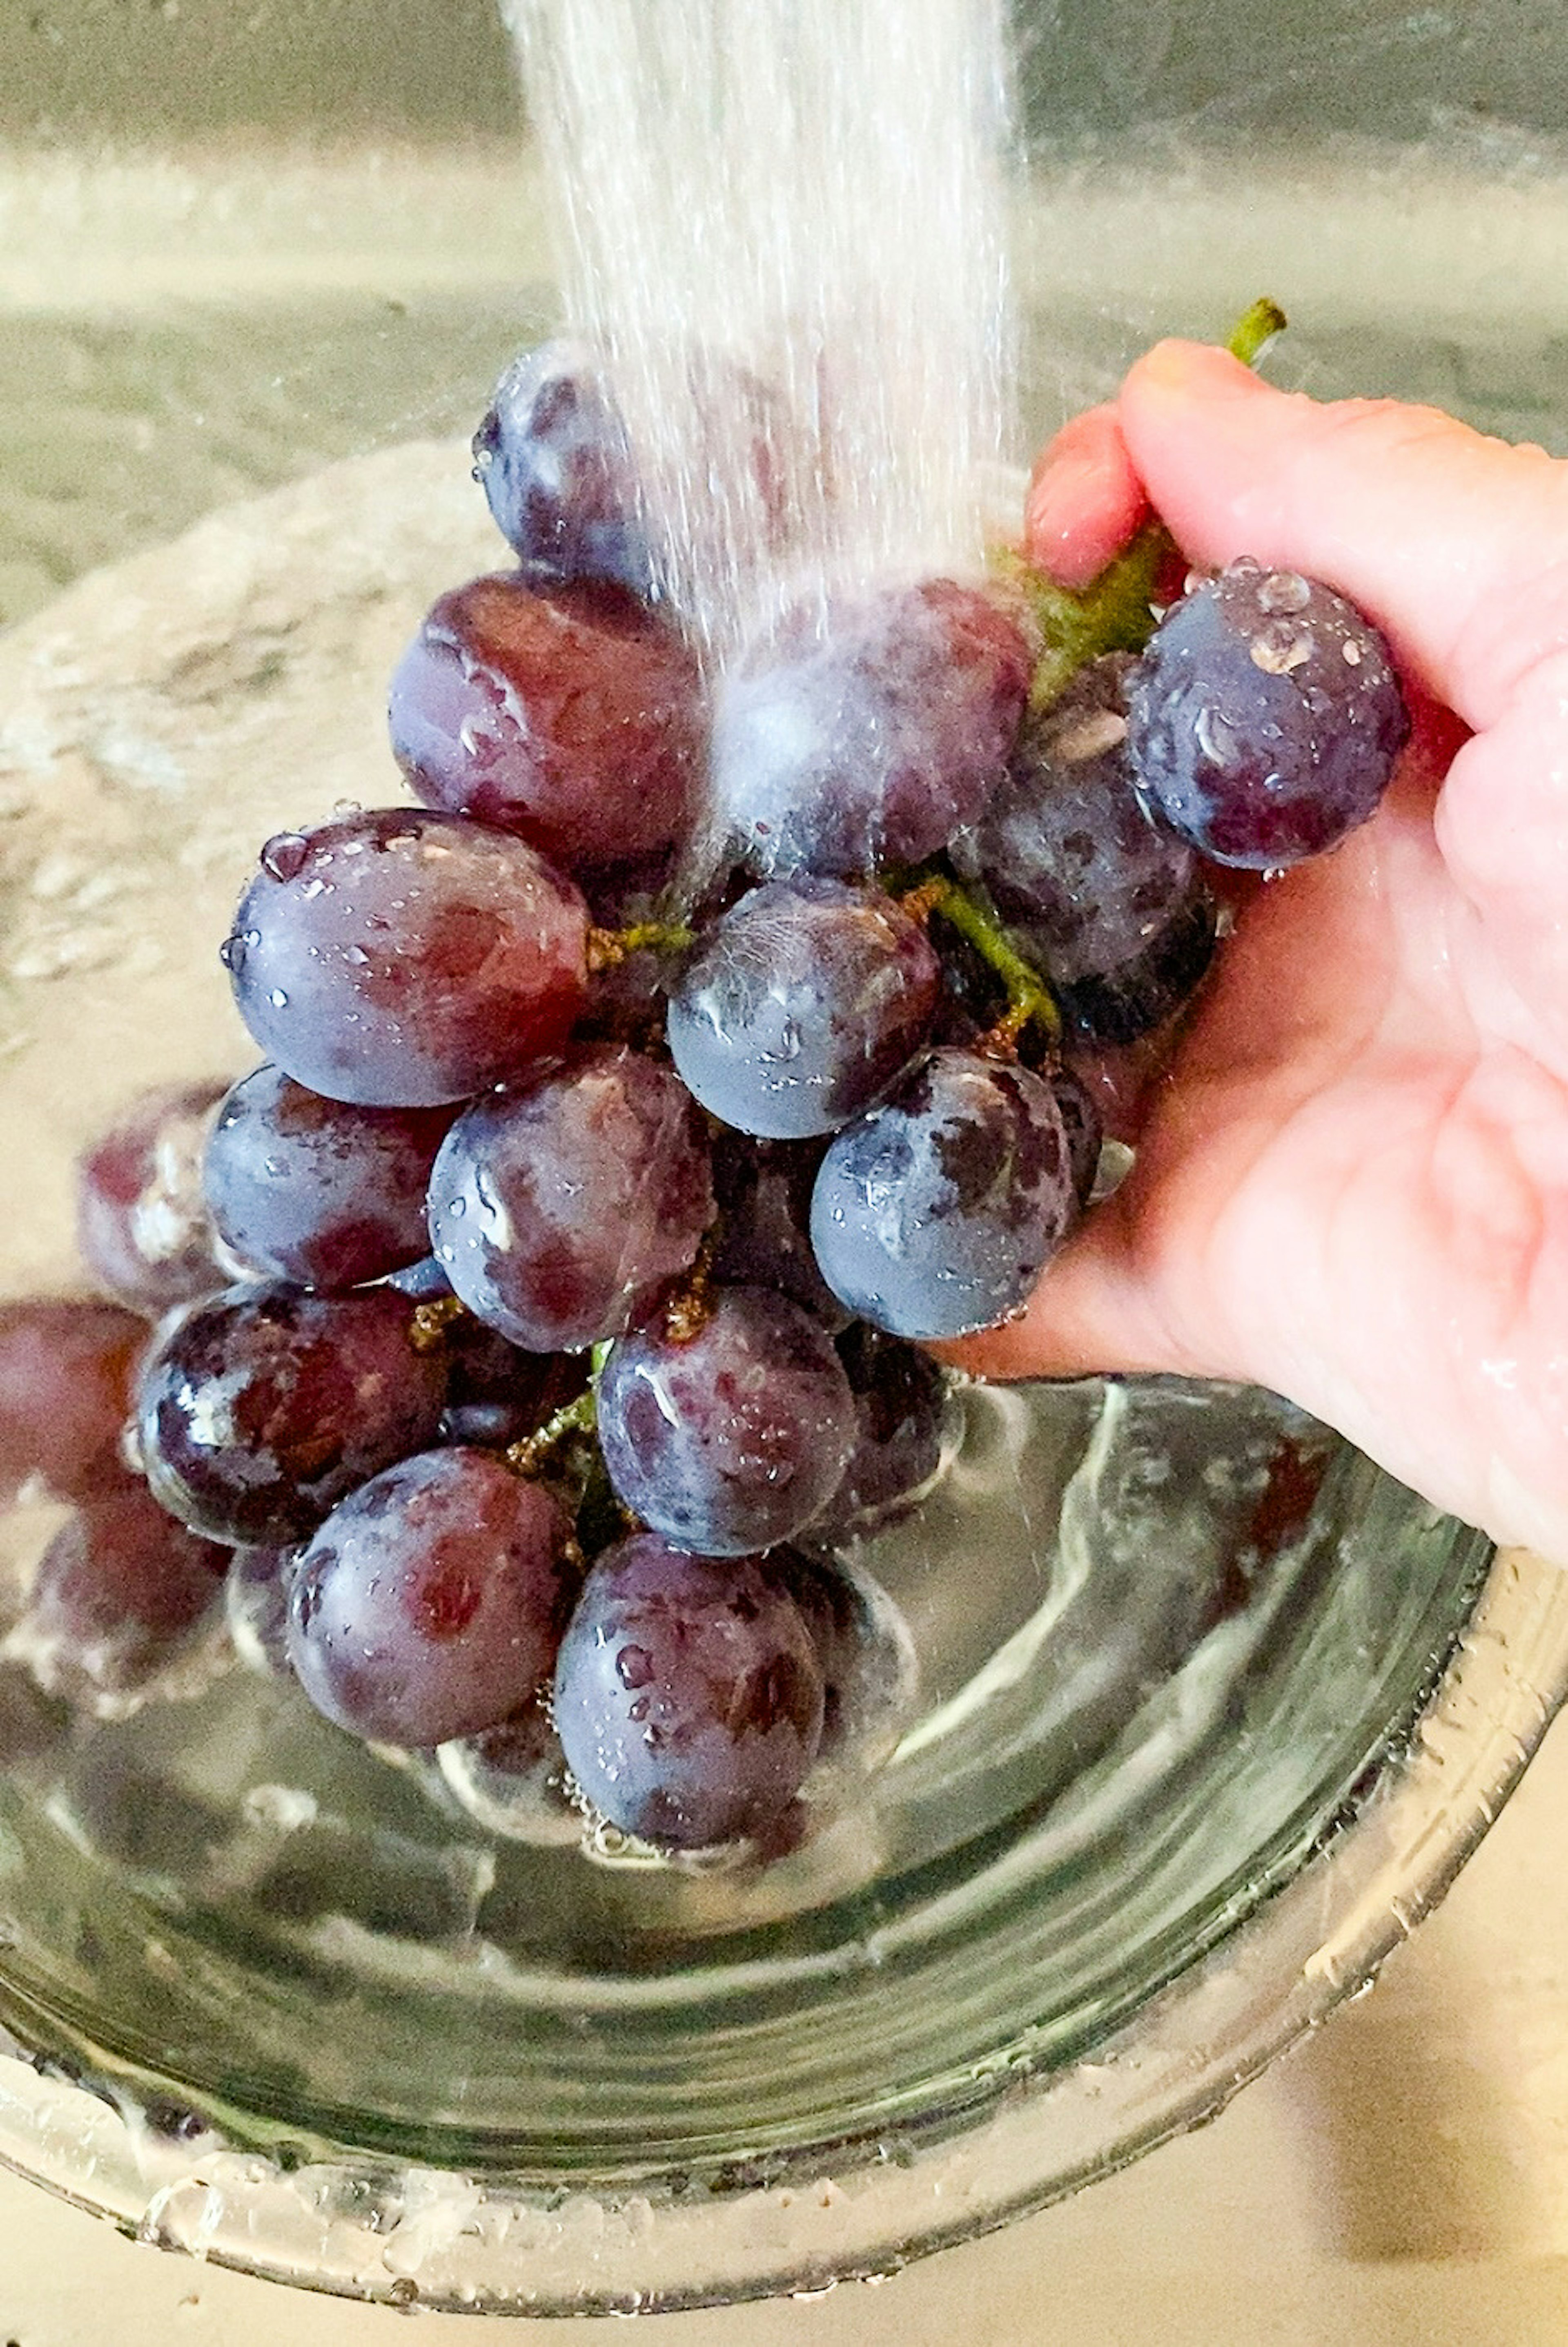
(782, 220)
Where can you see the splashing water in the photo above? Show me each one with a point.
(782, 220)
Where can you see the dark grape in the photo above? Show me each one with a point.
(906, 1414)
(118, 1591)
(256, 1606)
(496, 1392)
(405, 960)
(1111, 907)
(258, 1411)
(689, 1693)
(67, 1365)
(870, 740)
(732, 1438)
(429, 1604)
(142, 1226)
(320, 1190)
(1265, 718)
(763, 1236)
(870, 1672)
(1081, 1122)
(573, 718)
(554, 461)
(555, 1206)
(936, 1214)
(801, 1006)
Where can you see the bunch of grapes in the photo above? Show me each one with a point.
(552, 1295)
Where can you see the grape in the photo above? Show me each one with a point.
(554, 461)
(763, 1238)
(256, 1605)
(732, 1438)
(573, 718)
(906, 1414)
(510, 1780)
(66, 1368)
(870, 1672)
(804, 1003)
(403, 960)
(118, 1591)
(870, 741)
(142, 1226)
(1112, 908)
(258, 1411)
(1265, 718)
(496, 1393)
(320, 1190)
(429, 1604)
(936, 1214)
(1081, 1122)
(557, 1206)
(689, 1693)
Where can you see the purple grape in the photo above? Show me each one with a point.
(805, 1003)
(735, 1437)
(555, 1206)
(256, 1606)
(763, 1236)
(403, 960)
(258, 1411)
(320, 1190)
(1085, 1129)
(1265, 718)
(429, 1604)
(906, 1413)
(573, 718)
(142, 1226)
(67, 1365)
(871, 741)
(554, 461)
(119, 1591)
(870, 1671)
(1111, 907)
(936, 1214)
(689, 1693)
(496, 1393)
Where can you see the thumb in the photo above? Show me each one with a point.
(1456, 545)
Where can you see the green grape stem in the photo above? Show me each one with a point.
(609, 947)
(1114, 613)
(1029, 999)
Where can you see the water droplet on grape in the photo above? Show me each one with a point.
(284, 855)
(1281, 646)
(278, 998)
(1284, 592)
(1351, 650)
(231, 953)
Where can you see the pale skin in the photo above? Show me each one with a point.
(1353, 1184)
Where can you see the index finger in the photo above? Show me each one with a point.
(1456, 545)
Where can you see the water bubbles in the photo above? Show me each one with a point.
(278, 998)
(1280, 647)
(1283, 592)
(283, 855)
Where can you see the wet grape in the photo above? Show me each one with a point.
(555, 1206)
(1082, 1124)
(731, 1439)
(936, 1214)
(118, 1591)
(402, 959)
(841, 749)
(68, 1366)
(804, 1003)
(142, 1226)
(763, 1235)
(906, 1414)
(551, 456)
(1265, 718)
(258, 1411)
(320, 1190)
(689, 1693)
(574, 718)
(429, 1606)
(1111, 907)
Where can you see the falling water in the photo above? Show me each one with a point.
(782, 220)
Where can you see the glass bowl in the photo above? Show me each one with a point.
(1210, 1711)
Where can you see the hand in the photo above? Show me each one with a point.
(1353, 1185)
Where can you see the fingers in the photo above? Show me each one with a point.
(1084, 499)
(1452, 542)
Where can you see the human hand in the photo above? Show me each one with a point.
(1352, 1186)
